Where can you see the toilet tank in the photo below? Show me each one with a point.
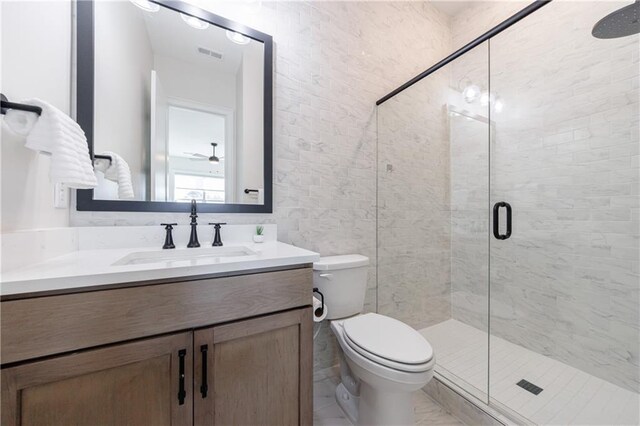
(343, 282)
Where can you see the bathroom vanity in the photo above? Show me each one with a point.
(230, 347)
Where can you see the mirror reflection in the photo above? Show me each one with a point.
(178, 107)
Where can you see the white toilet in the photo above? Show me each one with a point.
(383, 360)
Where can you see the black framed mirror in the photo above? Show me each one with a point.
(176, 104)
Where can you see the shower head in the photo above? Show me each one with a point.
(621, 23)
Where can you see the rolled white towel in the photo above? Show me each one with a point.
(117, 171)
(20, 122)
(55, 133)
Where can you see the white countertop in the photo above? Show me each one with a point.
(83, 269)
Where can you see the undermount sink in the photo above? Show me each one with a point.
(193, 254)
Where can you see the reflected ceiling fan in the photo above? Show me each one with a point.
(213, 159)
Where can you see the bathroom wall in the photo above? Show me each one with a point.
(332, 61)
(249, 142)
(122, 89)
(565, 155)
(414, 283)
(34, 63)
(201, 86)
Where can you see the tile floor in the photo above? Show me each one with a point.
(569, 396)
(326, 411)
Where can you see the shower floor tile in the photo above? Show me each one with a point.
(569, 396)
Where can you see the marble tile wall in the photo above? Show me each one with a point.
(413, 204)
(469, 149)
(332, 61)
(565, 155)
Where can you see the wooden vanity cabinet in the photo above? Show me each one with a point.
(134, 383)
(255, 372)
(254, 368)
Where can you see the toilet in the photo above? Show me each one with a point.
(382, 360)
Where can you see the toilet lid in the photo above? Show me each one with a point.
(388, 338)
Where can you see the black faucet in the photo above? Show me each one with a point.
(193, 239)
(217, 241)
(168, 239)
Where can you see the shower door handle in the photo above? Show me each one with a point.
(496, 220)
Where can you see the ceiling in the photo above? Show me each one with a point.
(452, 7)
(171, 36)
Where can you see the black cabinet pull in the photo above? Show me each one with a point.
(496, 220)
(182, 393)
(204, 388)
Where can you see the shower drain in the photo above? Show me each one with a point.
(526, 385)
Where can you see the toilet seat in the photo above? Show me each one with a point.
(388, 342)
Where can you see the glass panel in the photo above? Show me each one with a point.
(564, 287)
(433, 144)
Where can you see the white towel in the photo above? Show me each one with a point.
(57, 134)
(117, 171)
(20, 122)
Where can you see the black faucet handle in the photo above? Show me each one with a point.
(217, 240)
(168, 239)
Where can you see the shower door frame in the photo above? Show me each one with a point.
(469, 46)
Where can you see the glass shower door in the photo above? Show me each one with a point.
(564, 305)
(432, 199)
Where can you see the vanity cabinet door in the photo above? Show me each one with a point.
(255, 372)
(138, 383)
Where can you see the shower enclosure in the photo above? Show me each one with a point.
(508, 216)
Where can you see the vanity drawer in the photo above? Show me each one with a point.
(51, 325)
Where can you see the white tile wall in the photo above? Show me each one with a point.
(413, 198)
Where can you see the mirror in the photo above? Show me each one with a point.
(176, 105)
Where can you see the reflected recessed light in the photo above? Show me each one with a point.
(498, 105)
(194, 22)
(237, 37)
(471, 93)
(146, 5)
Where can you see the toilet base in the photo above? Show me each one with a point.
(377, 407)
(347, 402)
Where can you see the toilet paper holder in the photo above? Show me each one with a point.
(315, 290)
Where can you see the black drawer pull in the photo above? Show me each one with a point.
(496, 220)
(204, 387)
(182, 393)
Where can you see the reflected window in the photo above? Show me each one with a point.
(203, 189)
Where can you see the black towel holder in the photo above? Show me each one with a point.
(5, 105)
(103, 157)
